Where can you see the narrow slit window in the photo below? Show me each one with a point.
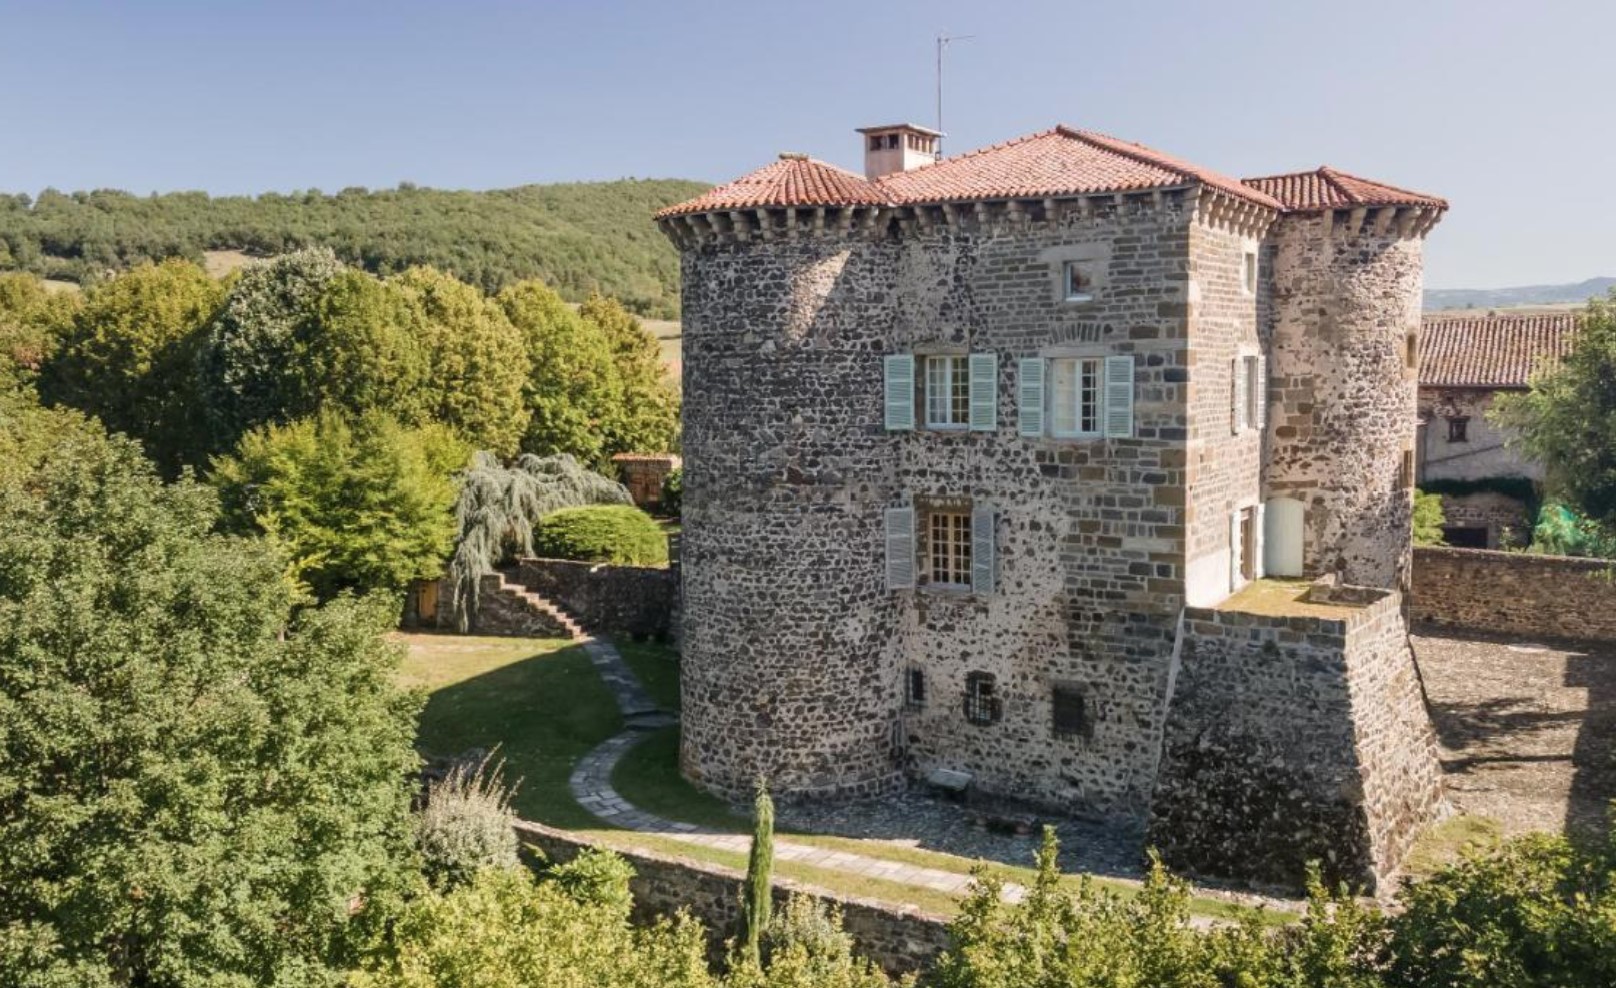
(1248, 272)
(914, 687)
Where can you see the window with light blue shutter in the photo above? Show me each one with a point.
(983, 561)
(899, 383)
(984, 376)
(1118, 397)
(900, 539)
(1030, 396)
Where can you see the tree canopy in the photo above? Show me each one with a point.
(197, 786)
(583, 237)
(1567, 421)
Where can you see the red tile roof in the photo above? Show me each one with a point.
(1056, 162)
(1458, 351)
(794, 180)
(1327, 188)
(1051, 163)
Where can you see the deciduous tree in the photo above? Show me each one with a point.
(574, 395)
(648, 421)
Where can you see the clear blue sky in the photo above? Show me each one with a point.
(1503, 107)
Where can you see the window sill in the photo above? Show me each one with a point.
(1078, 299)
(950, 427)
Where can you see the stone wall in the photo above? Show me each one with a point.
(1505, 519)
(639, 601)
(501, 610)
(643, 474)
(1515, 593)
(1343, 320)
(1483, 452)
(1296, 738)
(898, 939)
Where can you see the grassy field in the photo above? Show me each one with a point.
(537, 700)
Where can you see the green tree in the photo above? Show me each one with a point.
(248, 366)
(1567, 421)
(362, 506)
(1428, 519)
(476, 361)
(574, 395)
(31, 317)
(648, 420)
(127, 357)
(197, 786)
(360, 352)
(758, 903)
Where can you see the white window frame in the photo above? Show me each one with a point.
(1082, 269)
(956, 544)
(1096, 398)
(956, 373)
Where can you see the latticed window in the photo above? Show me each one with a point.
(948, 391)
(982, 702)
(1074, 397)
(914, 687)
(948, 548)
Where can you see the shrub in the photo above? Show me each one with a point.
(619, 534)
(596, 877)
(1428, 518)
(498, 506)
(362, 505)
(673, 492)
(467, 825)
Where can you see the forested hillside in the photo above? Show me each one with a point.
(576, 238)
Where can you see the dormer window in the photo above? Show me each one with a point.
(1079, 282)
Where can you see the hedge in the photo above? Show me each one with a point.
(602, 534)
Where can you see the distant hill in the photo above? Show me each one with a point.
(577, 237)
(1504, 298)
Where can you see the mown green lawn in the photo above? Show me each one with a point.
(537, 700)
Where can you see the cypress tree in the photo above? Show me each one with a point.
(759, 897)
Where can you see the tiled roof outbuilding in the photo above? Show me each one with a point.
(1495, 351)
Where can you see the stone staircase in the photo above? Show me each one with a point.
(509, 608)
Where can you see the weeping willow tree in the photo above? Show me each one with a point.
(498, 507)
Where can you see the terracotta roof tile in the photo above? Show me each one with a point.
(794, 180)
(1057, 162)
(1327, 188)
(1458, 351)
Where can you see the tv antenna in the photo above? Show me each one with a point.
(943, 41)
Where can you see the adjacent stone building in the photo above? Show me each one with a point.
(971, 446)
(1466, 360)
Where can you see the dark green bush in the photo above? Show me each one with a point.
(615, 533)
(673, 492)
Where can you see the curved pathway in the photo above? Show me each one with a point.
(591, 784)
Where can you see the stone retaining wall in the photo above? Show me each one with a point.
(899, 939)
(615, 600)
(1291, 739)
(1515, 593)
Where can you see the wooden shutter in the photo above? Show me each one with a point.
(1262, 392)
(1259, 568)
(984, 375)
(1234, 549)
(983, 524)
(1030, 396)
(1118, 397)
(1237, 396)
(899, 381)
(900, 548)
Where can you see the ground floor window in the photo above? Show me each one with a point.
(1070, 712)
(982, 702)
(914, 687)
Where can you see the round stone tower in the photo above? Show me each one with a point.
(785, 615)
(1343, 314)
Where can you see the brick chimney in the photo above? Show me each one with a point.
(897, 148)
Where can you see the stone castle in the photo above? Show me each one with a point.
(993, 464)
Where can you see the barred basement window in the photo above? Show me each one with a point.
(982, 702)
(914, 687)
(948, 549)
(1071, 718)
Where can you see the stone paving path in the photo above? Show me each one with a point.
(591, 784)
